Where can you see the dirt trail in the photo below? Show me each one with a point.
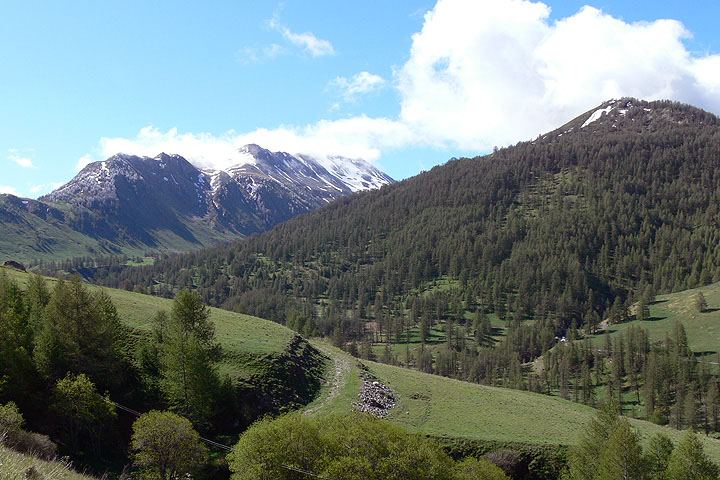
(339, 377)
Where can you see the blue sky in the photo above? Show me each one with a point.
(406, 85)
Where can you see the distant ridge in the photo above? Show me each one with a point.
(135, 204)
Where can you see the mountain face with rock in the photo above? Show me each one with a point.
(134, 204)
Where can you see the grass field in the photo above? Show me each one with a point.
(13, 466)
(450, 408)
(246, 340)
(703, 329)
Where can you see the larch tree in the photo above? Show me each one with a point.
(188, 353)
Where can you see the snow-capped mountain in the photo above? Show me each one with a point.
(167, 202)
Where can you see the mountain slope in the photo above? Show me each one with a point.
(702, 328)
(17, 466)
(448, 408)
(553, 229)
(135, 204)
(271, 366)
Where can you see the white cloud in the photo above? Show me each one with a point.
(360, 84)
(10, 190)
(358, 137)
(83, 161)
(23, 161)
(249, 55)
(480, 73)
(45, 188)
(307, 41)
(492, 72)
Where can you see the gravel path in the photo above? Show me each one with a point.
(339, 378)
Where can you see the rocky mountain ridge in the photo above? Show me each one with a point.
(166, 202)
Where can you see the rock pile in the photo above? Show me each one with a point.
(375, 398)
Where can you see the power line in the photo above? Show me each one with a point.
(224, 447)
(137, 414)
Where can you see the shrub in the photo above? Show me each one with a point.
(13, 436)
(35, 444)
(166, 446)
(11, 420)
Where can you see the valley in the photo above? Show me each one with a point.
(502, 299)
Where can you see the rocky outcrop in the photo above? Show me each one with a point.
(375, 398)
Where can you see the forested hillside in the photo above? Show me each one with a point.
(504, 255)
(79, 363)
(556, 229)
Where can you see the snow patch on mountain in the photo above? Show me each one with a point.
(597, 114)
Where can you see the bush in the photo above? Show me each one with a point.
(473, 469)
(11, 420)
(350, 447)
(35, 444)
(13, 436)
(165, 446)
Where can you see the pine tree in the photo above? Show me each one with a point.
(700, 303)
(188, 355)
(621, 456)
(657, 456)
(689, 462)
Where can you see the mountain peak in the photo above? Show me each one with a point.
(253, 149)
(633, 115)
(630, 115)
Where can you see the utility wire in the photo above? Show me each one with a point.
(137, 414)
(224, 447)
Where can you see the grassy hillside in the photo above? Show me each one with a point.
(250, 345)
(703, 329)
(445, 407)
(33, 230)
(16, 466)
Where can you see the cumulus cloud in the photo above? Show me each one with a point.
(357, 137)
(480, 73)
(360, 84)
(84, 160)
(307, 41)
(491, 72)
(10, 190)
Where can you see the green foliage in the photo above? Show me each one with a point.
(16, 366)
(81, 332)
(473, 469)
(621, 456)
(85, 416)
(188, 352)
(11, 420)
(657, 456)
(610, 449)
(700, 303)
(165, 446)
(584, 458)
(353, 447)
(688, 461)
